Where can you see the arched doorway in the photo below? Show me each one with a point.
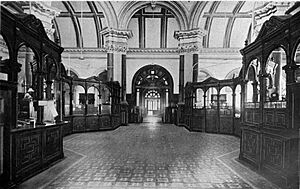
(152, 89)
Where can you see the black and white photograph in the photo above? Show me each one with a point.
(149, 94)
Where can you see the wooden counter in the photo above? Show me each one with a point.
(35, 149)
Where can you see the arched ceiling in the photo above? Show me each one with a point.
(79, 22)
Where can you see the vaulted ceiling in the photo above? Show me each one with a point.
(227, 22)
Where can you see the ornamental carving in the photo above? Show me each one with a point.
(116, 33)
(189, 40)
(189, 33)
(189, 47)
(116, 40)
(115, 47)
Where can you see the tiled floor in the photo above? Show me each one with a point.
(149, 155)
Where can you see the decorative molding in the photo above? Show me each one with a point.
(156, 50)
(189, 40)
(116, 33)
(118, 47)
(78, 50)
(45, 13)
(153, 50)
(198, 32)
(116, 40)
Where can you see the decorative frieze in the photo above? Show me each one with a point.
(189, 40)
(116, 40)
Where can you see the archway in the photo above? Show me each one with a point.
(152, 89)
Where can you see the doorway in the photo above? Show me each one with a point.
(152, 103)
(152, 90)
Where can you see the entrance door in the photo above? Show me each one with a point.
(152, 103)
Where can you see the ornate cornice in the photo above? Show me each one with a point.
(189, 40)
(116, 33)
(116, 40)
(78, 50)
(153, 50)
(119, 47)
(189, 33)
(214, 51)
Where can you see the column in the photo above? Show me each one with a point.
(181, 78)
(110, 66)
(195, 67)
(190, 42)
(123, 78)
(48, 89)
(116, 47)
(39, 96)
(137, 97)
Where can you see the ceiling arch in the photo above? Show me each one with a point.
(227, 22)
(131, 7)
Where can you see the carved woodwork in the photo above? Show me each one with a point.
(270, 130)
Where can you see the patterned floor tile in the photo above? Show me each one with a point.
(137, 156)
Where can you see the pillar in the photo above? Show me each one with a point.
(181, 78)
(195, 67)
(123, 78)
(110, 66)
(190, 42)
(116, 47)
(39, 96)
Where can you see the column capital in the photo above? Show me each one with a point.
(189, 40)
(116, 40)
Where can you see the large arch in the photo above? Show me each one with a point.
(196, 14)
(130, 8)
(109, 13)
(152, 89)
(142, 73)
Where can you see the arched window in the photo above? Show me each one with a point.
(276, 77)
(211, 98)
(253, 86)
(79, 100)
(238, 101)
(225, 98)
(199, 101)
(26, 83)
(66, 99)
(297, 62)
(93, 100)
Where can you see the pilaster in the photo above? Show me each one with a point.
(116, 46)
(189, 45)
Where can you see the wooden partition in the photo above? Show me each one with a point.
(210, 106)
(90, 110)
(28, 143)
(270, 117)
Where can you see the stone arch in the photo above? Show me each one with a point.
(142, 73)
(130, 8)
(109, 13)
(196, 14)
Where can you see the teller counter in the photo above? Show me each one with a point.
(36, 149)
